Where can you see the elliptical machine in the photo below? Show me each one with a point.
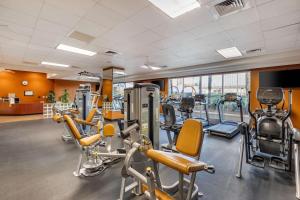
(270, 135)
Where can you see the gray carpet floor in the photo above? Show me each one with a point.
(35, 164)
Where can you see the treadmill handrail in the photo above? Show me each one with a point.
(238, 101)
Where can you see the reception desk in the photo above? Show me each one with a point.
(21, 108)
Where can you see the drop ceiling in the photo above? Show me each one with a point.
(140, 32)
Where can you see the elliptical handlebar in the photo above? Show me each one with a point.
(290, 105)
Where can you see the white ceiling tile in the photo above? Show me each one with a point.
(123, 31)
(177, 40)
(58, 15)
(125, 7)
(241, 18)
(150, 17)
(11, 16)
(104, 16)
(195, 18)
(259, 2)
(281, 20)
(144, 38)
(90, 28)
(12, 34)
(50, 27)
(207, 29)
(168, 29)
(282, 32)
(77, 7)
(277, 7)
(45, 39)
(29, 7)
(246, 34)
(282, 43)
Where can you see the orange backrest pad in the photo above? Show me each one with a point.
(190, 138)
(72, 127)
(109, 130)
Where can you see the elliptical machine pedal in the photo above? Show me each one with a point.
(277, 163)
(258, 161)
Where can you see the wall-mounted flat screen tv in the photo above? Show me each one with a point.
(160, 83)
(284, 79)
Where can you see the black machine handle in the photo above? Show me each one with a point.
(290, 106)
(126, 133)
(249, 111)
(288, 114)
(210, 169)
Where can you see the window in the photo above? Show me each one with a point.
(191, 86)
(204, 85)
(230, 83)
(214, 86)
(129, 85)
(176, 86)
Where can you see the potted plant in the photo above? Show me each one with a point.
(65, 97)
(51, 97)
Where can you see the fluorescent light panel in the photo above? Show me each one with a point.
(120, 72)
(144, 67)
(155, 68)
(230, 52)
(75, 50)
(175, 8)
(54, 64)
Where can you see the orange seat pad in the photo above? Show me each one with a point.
(176, 161)
(87, 141)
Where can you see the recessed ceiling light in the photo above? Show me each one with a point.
(75, 50)
(155, 68)
(175, 8)
(230, 52)
(144, 67)
(54, 64)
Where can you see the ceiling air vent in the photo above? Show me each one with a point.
(230, 6)
(111, 53)
(251, 51)
(30, 63)
(81, 37)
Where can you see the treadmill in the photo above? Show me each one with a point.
(224, 128)
(200, 99)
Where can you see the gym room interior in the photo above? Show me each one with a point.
(149, 99)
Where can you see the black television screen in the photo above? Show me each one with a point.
(160, 83)
(284, 79)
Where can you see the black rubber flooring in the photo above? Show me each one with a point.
(35, 164)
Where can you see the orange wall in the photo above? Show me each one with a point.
(71, 86)
(296, 92)
(37, 82)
